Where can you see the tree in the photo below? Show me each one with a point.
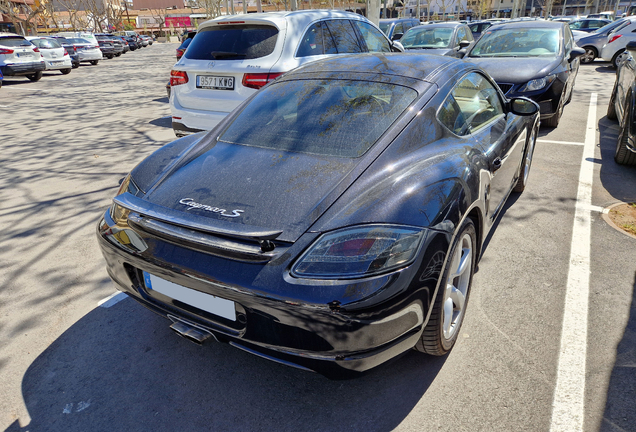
(28, 8)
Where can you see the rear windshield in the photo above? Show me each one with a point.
(233, 42)
(14, 41)
(342, 118)
(46, 43)
(79, 41)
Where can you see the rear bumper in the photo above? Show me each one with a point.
(17, 69)
(191, 119)
(59, 64)
(284, 327)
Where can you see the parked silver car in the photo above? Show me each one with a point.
(593, 42)
(614, 49)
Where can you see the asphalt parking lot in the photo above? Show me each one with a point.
(75, 358)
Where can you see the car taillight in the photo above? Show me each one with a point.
(6, 51)
(65, 53)
(36, 49)
(258, 80)
(613, 38)
(178, 77)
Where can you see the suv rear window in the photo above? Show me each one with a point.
(233, 42)
(341, 118)
(14, 41)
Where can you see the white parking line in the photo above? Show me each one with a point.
(112, 299)
(560, 142)
(568, 405)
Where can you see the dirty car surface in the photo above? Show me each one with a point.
(332, 221)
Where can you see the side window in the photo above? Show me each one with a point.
(344, 36)
(399, 28)
(472, 104)
(461, 35)
(373, 38)
(311, 43)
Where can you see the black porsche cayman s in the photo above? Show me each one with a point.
(334, 219)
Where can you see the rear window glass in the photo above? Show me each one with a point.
(342, 118)
(14, 41)
(233, 42)
(46, 43)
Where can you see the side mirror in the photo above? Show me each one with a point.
(576, 52)
(462, 52)
(631, 46)
(396, 46)
(397, 36)
(523, 106)
(464, 44)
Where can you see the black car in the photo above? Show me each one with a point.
(394, 28)
(448, 39)
(334, 220)
(184, 45)
(117, 47)
(536, 59)
(132, 42)
(107, 47)
(621, 108)
(70, 49)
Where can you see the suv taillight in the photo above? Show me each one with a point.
(178, 77)
(613, 38)
(36, 49)
(6, 51)
(258, 80)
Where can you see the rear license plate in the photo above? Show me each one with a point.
(24, 54)
(207, 302)
(215, 82)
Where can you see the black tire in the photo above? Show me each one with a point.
(94, 62)
(617, 58)
(76, 65)
(435, 341)
(590, 54)
(623, 155)
(611, 108)
(118, 54)
(110, 56)
(526, 163)
(65, 71)
(556, 118)
(35, 77)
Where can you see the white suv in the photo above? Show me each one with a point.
(18, 57)
(232, 57)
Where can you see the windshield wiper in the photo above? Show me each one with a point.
(226, 54)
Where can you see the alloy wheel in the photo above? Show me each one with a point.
(457, 287)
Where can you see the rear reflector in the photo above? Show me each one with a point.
(258, 80)
(178, 77)
(613, 38)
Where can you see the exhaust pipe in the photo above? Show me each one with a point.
(189, 331)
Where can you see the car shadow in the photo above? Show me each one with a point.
(162, 100)
(121, 367)
(618, 180)
(620, 414)
(605, 69)
(165, 122)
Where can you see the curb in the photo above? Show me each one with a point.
(611, 223)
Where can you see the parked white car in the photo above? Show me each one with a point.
(231, 57)
(54, 54)
(19, 57)
(80, 34)
(614, 49)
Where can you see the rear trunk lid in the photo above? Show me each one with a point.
(220, 56)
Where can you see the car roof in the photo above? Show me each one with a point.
(445, 24)
(8, 34)
(528, 24)
(280, 19)
(390, 20)
(417, 66)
